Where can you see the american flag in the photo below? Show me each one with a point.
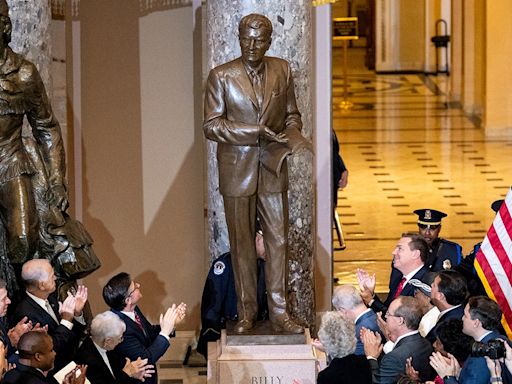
(493, 262)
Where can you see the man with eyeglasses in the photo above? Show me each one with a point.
(402, 321)
(141, 338)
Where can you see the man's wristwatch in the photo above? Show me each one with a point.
(449, 377)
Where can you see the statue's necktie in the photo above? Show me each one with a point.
(257, 86)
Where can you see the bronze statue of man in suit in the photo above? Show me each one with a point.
(249, 104)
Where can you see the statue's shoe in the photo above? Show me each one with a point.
(287, 325)
(244, 326)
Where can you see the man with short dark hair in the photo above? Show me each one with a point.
(402, 319)
(141, 338)
(36, 358)
(449, 291)
(481, 321)
(409, 258)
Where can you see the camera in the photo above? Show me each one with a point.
(494, 349)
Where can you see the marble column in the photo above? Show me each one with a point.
(31, 34)
(292, 41)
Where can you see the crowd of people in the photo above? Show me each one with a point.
(42, 338)
(436, 325)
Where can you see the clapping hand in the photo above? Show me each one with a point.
(372, 342)
(366, 285)
(445, 366)
(138, 369)
(72, 378)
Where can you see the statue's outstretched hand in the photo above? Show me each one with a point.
(269, 135)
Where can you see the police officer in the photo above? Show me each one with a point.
(444, 254)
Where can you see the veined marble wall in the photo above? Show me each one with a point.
(291, 40)
(31, 34)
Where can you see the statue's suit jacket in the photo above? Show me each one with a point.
(233, 119)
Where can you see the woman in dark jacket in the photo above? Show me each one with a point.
(337, 334)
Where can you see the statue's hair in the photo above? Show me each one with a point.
(337, 334)
(255, 21)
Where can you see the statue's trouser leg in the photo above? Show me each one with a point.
(241, 220)
(20, 218)
(273, 215)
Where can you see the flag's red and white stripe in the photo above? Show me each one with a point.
(493, 262)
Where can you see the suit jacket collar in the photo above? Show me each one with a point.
(366, 314)
(31, 371)
(53, 303)
(408, 338)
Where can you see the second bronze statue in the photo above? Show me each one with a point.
(250, 110)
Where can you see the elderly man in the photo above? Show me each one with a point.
(64, 321)
(141, 338)
(402, 320)
(409, 258)
(105, 365)
(251, 112)
(23, 94)
(449, 292)
(347, 300)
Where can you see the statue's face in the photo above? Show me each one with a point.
(254, 43)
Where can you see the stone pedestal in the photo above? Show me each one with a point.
(263, 359)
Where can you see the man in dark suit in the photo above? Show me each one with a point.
(251, 112)
(40, 305)
(36, 357)
(409, 258)
(141, 338)
(481, 320)
(449, 291)
(402, 319)
(97, 352)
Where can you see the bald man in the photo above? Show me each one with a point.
(40, 305)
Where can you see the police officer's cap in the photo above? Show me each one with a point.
(429, 216)
(496, 205)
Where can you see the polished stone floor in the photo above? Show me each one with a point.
(407, 148)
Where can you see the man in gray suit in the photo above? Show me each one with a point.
(402, 321)
(250, 107)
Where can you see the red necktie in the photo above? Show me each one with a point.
(139, 322)
(400, 287)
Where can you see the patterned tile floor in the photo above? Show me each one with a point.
(407, 148)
